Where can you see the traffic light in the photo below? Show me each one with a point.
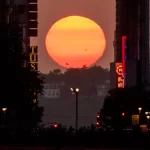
(98, 116)
(98, 119)
(123, 114)
(97, 124)
(55, 125)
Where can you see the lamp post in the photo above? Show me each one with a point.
(76, 91)
(4, 110)
(140, 109)
(148, 118)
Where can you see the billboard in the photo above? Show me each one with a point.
(119, 75)
(135, 120)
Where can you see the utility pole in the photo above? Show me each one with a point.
(76, 111)
(76, 92)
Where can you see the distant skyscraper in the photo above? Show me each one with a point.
(131, 43)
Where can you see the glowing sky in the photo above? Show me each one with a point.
(50, 11)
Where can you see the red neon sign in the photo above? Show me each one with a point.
(124, 55)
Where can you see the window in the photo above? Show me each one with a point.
(49, 93)
(57, 94)
(53, 93)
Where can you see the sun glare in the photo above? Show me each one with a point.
(75, 41)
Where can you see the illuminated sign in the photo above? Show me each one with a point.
(135, 120)
(119, 75)
(124, 55)
(33, 58)
(33, 61)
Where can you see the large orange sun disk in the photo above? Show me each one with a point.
(75, 41)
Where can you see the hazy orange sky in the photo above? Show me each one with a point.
(50, 11)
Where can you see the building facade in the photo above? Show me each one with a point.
(52, 90)
(145, 49)
(149, 40)
(25, 14)
(131, 42)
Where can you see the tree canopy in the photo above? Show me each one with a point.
(84, 78)
(22, 111)
(127, 101)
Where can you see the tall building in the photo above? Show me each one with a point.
(25, 13)
(22, 12)
(131, 43)
(149, 40)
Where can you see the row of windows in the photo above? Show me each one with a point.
(52, 86)
(56, 94)
(101, 93)
(52, 93)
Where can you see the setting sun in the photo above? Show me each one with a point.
(75, 41)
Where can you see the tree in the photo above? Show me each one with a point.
(22, 111)
(30, 110)
(86, 79)
(57, 71)
(121, 104)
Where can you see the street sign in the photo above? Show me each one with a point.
(135, 120)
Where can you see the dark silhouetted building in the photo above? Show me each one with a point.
(25, 14)
(131, 43)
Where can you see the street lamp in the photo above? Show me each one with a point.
(140, 109)
(146, 113)
(76, 91)
(148, 118)
(4, 109)
(72, 89)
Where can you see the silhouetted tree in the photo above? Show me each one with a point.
(86, 78)
(125, 101)
(54, 76)
(57, 71)
(22, 111)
